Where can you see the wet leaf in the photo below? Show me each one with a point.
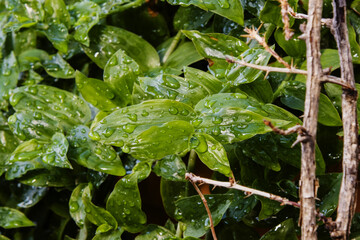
(171, 168)
(121, 72)
(97, 92)
(153, 231)
(259, 89)
(92, 154)
(106, 40)
(184, 55)
(191, 18)
(285, 230)
(124, 125)
(8, 143)
(211, 153)
(85, 15)
(159, 141)
(115, 6)
(77, 206)
(293, 47)
(12, 218)
(230, 9)
(203, 79)
(170, 192)
(55, 154)
(329, 193)
(24, 196)
(124, 202)
(271, 12)
(24, 41)
(49, 177)
(216, 45)
(57, 33)
(8, 79)
(111, 235)
(191, 211)
(241, 205)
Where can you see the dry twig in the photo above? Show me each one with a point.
(324, 21)
(288, 32)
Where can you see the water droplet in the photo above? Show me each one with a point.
(132, 117)
(15, 99)
(74, 206)
(129, 128)
(108, 132)
(217, 120)
(94, 135)
(196, 122)
(144, 113)
(184, 112)
(125, 149)
(173, 110)
(209, 103)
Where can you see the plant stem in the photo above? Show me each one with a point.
(172, 46)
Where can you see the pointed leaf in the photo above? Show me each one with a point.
(285, 230)
(184, 55)
(8, 79)
(153, 231)
(77, 206)
(12, 218)
(55, 154)
(171, 167)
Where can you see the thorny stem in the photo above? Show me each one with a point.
(172, 46)
(285, 19)
(203, 199)
(324, 21)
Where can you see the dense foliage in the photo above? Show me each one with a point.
(106, 104)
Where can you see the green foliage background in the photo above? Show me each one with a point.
(100, 97)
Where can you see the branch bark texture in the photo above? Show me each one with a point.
(347, 197)
(313, 87)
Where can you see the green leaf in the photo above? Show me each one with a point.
(97, 215)
(216, 45)
(124, 202)
(241, 205)
(106, 40)
(230, 9)
(271, 13)
(25, 196)
(77, 206)
(354, 46)
(115, 6)
(57, 33)
(191, 18)
(259, 89)
(170, 192)
(173, 87)
(84, 15)
(285, 230)
(97, 92)
(50, 177)
(45, 109)
(8, 143)
(111, 235)
(329, 193)
(191, 211)
(231, 117)
(56, 11)
(171, 168)
(184, 55)
(54, 65)
(92, 154)
(294, 47)
(153, 231)
(205, 80)
(8, 79)
(24, 41)
(55, 154)
(211, 153)
(239, 75)
(124, 125)
(12, 218)
(160, 141)
(26, 157)
(3, 20)
(293, 96)
(121, 72)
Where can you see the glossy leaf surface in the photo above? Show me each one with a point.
(8, 78)
(284, 230)
(171, 168)
(55, 154)
(12, 218)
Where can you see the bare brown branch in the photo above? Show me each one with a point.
(288, 32)
(324, 21)
(347, 196)
(203, 199)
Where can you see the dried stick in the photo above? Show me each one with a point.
(313, 87)
(347, 196)
(206, 207)
(324, 21)
(288, 32)
(284, 201)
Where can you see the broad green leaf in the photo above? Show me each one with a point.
(170, 192)
(43, 108)
(216, 45)
(197, 77)
(97, 215)
(57, 12)
(25, 196)
(153, 231)
(50, 177)
(231, 117)
(159, 141)
(55, 154)
(8, 143)
(106, 40)
(184, 55)
(285, 230)
(3, 20)
(230, 9)
(54, 65)
(253, 6)
(121, 72)
(92, 154)
(21, 17)
(111, 235)
(115, 6)
(24, 41)
(191, 18)
(211, 153)
(329, 193)
(174, 87)
(191, 211)
(8, 79)
(124, 125)
(271, 13)
(124, 202)
(354, 46)
(2, 237)
(77, 206)
(84, 16)
(293, 47)
(237, 75)
(293, 96)
(241, 205)
(26, 157)
(97, 92)
(259, 89)
(171, 168)
(12, 218)
(57, 33)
